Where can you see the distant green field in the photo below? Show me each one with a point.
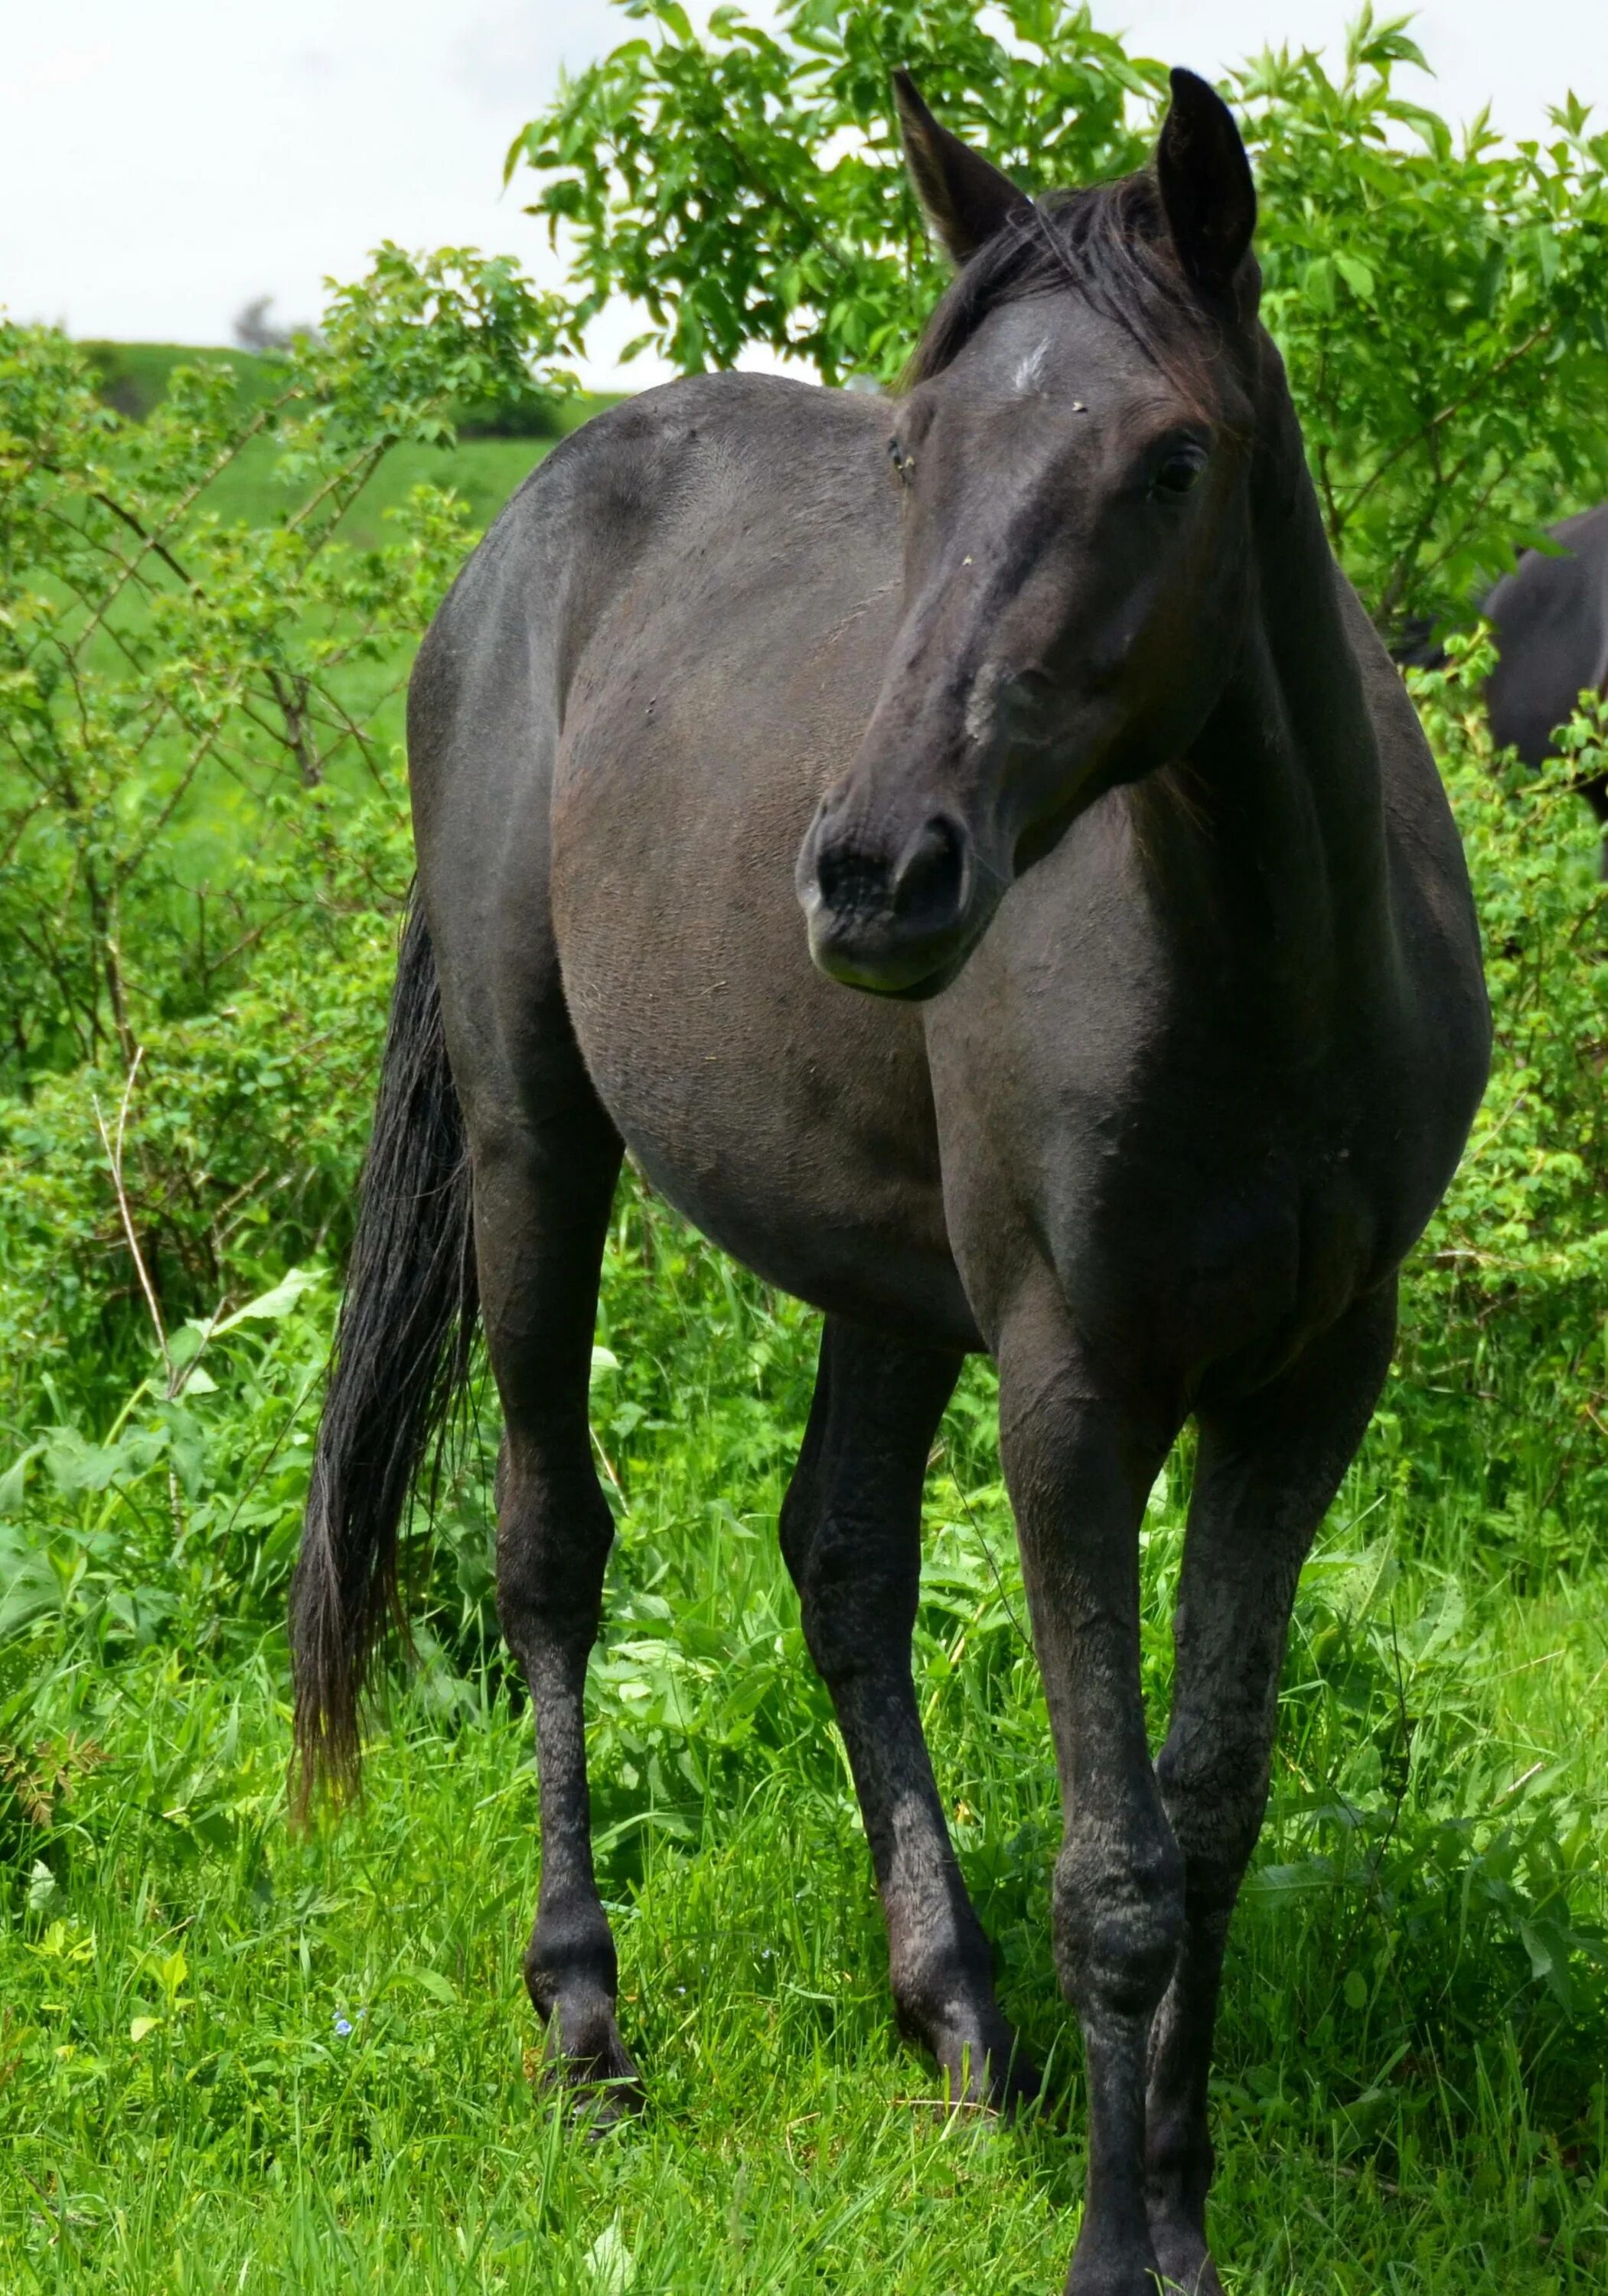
(484, 470)
(134, 376)
(482, 467)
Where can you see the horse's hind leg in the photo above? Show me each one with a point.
(852, 1535)
(545, 1168)
(1266, 1475)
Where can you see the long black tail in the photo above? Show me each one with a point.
(401, 1351)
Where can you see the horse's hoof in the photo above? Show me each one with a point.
(987, 2067)
(600, 2106)
(1101, 2272)
(585, 2057)
(1186, 2260)
(1014, 2086)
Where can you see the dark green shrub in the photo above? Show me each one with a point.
(1438, 301)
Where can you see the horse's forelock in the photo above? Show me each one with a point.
(1109, 245)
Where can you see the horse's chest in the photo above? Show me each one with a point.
(1203, 1248)
(1186, 1231)
(1251, 1262)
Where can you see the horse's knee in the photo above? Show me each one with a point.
(1119, 1908)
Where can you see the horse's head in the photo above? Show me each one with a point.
(1071, 452)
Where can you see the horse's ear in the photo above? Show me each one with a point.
(965, 198)
(1205, 182)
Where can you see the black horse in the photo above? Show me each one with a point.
(1551, 618)
(1039, 689)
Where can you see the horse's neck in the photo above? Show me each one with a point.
(1282, 796)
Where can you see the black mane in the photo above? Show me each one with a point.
(1110, 244)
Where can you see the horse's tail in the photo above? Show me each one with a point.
(401, 1351)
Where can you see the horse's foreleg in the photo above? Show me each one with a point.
(1079, 1468)
(1267, 1472)
(852, 1535)
(543, 1190)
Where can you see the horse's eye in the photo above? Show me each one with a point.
(904, 466)
(1179, 472)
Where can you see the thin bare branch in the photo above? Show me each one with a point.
(112, 1144)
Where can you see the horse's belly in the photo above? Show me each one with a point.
(808, 1159)
(789, 1119)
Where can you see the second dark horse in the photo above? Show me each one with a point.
(1039, 689)
(1551, 619)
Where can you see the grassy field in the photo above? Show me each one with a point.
(235, 2057)
(484, 470)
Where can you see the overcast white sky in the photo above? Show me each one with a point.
(162, 164)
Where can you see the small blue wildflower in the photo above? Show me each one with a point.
(343, 2026)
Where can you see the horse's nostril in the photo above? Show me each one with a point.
(896, 920)
(930, 884)
(923, 891)
(849, 879)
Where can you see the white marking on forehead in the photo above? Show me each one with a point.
(1030, 368)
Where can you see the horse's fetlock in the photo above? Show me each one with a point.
(1179, 2161)
(937, 1982)
(571, 1947)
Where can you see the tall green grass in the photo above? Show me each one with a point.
(241, 2059)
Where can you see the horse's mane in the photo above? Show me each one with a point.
(1111, 245)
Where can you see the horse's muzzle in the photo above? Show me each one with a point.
(898, 919)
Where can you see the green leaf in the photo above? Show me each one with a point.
(1317, 284)
(13, 1482)
(438, 1987)
(270, 1306)
(610, 2266)
(74, 1465)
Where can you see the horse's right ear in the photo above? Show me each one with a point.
(965, 197)
(1205, 181)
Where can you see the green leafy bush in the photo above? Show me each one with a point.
(1505, 1354)
(1439, 303)
(203, 846)
(166, 681)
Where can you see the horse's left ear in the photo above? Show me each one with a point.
(965, 197)
(1205, 182)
